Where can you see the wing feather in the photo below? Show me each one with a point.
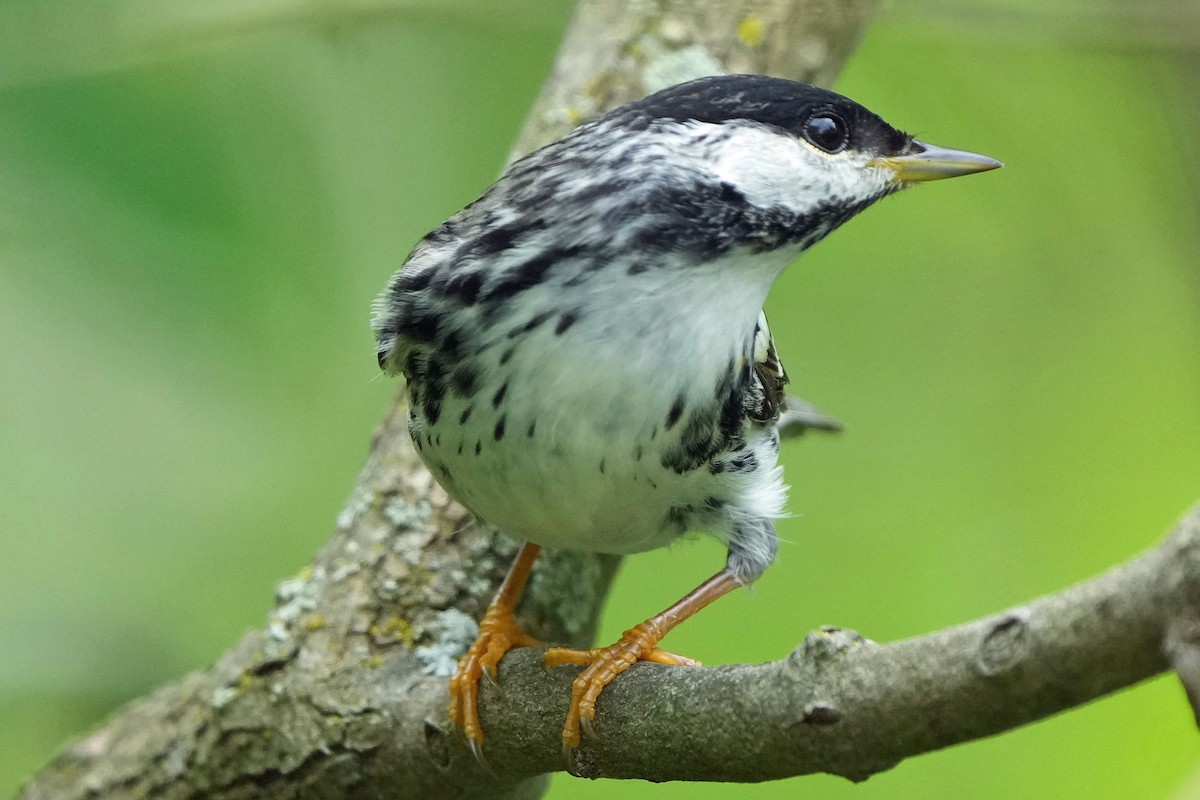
(769, 374)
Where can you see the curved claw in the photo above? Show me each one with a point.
(587, 729)
(601, 667)
(477, 751)
(568, 755)
(670, 659)
(498, 633)
(489, 675)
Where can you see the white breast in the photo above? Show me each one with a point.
(578, 462)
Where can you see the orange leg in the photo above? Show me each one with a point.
(498, 633)
(639, 643)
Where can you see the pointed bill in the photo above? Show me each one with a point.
(929, 162)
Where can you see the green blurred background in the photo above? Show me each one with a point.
(198, 202)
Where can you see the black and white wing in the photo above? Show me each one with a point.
(769, 375)
(790, 414)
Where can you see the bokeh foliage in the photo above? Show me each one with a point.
(191, 231)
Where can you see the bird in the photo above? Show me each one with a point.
(587, 362)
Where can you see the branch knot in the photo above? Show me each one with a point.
(1005, 642)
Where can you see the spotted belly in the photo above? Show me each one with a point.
(585, 482)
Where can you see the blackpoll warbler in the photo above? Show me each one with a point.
(587, 359)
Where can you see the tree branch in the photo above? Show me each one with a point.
(340, 695)
(842, 704)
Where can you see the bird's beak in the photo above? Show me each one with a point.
(928, 162)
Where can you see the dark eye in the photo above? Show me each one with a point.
(826, 131)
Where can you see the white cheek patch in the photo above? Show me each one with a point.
(773, 169)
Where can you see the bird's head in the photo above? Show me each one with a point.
(800, 146)
(731, 160)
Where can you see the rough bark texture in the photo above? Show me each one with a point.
(340, 695)
(615, 52)
(845, 705)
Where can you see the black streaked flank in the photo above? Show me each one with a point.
(463, 286)
(498, 433)
(743, 462)
(498, 239)
(565, 321)
(413, 363)
(416, 327)
(465, 380)
(699, 442)
(442, 234)
(427, 383)
(411, 280)
(677, 517)
(675, 413)
(732, 415)
(530, 325)
(532, 273)
(432, 407)
(450, 345)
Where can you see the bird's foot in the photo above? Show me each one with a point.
(498, 633)
(601, 666)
